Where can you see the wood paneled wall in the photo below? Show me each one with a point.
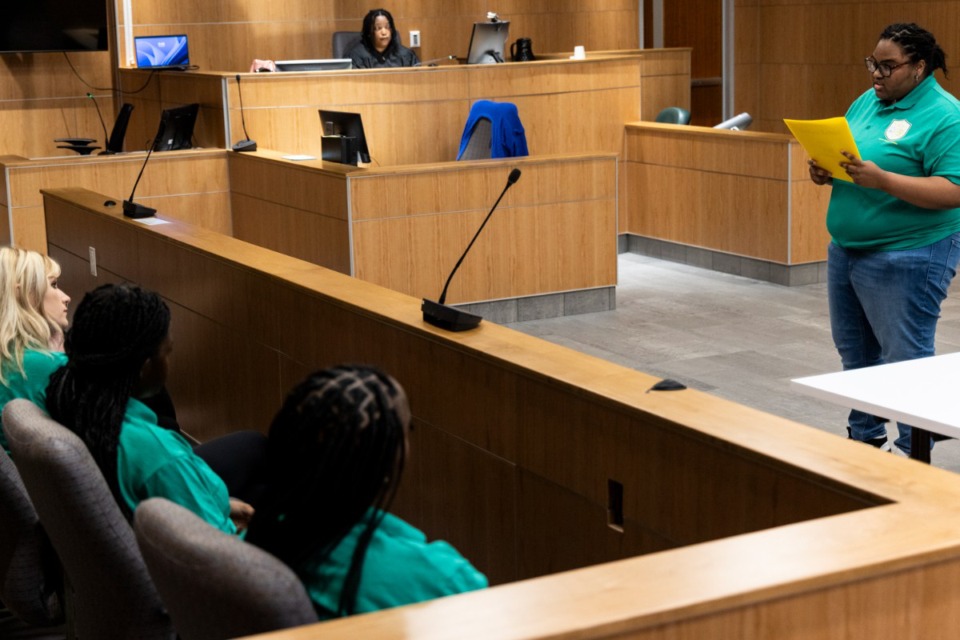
(799, 535)
(42, 98)
(804, 58)
(225, 36)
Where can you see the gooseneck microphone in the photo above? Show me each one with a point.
(100, 115)
(130, 208)
(440, 315)
(432, 62)
(248, 144)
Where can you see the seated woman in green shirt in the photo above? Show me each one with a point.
(117, 354)
(33, 316)
(335, 456)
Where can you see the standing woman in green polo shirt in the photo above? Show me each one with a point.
(896, 227)
(336, 453)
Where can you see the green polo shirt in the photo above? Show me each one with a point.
(400, 568)
(31, 383)
(918, 135)
(153, 461)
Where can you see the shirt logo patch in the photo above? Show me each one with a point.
(897, 129)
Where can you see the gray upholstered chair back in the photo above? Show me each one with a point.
(30, 577)
(111, 592)
(343, 41)
(478, 147)
(215, 585)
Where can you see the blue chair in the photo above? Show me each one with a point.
(674, 115)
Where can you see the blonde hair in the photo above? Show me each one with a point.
(23, 323)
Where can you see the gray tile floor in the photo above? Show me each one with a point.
(734, 337)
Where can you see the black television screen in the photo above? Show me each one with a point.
(349, 127)
(53, 25)
(176, 128)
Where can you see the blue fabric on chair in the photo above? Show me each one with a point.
(507, 137)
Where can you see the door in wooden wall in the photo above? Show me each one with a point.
(697, 24)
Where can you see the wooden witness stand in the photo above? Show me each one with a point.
(735, 523)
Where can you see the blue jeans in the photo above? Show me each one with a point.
(884, 307)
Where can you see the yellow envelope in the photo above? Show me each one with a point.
(823, 140)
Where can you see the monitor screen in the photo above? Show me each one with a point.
(328, 64)
(53, 25)
(488, 42)
(176, 128)
(162, 52)
(341, 124)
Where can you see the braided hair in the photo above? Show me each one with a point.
(335, 456)
(115, 330)
(918, 44)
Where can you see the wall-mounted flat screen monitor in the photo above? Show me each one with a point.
(343, 137)
(162, 52)
(53, 25)
(176, 128)
(326, 64)
(488, 41)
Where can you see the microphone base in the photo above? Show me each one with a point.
(133, 210)
(448, 318)
(245, 145)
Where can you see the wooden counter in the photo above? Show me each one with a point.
(186, 185)
(404, 227)
(736, 524)
(739, 194)
(416, 115)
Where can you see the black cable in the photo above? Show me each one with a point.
(119, 91)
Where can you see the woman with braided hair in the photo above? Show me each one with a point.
(335, 456)
(117, 354)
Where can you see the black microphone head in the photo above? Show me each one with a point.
(514, 176)
(238, 78)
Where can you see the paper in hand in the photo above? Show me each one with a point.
(823, 140)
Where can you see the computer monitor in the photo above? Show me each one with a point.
(176, 128)
(343, 138)
(488, 41)
(162, 52)
(326, 64)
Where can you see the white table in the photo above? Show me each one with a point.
(922, 393)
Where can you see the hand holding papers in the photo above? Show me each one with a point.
(824, 140)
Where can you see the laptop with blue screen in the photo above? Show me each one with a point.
(162, 52)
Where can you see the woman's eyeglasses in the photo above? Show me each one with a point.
(885, 68)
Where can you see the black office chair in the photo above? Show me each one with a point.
(344, 41)
(119, 132)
